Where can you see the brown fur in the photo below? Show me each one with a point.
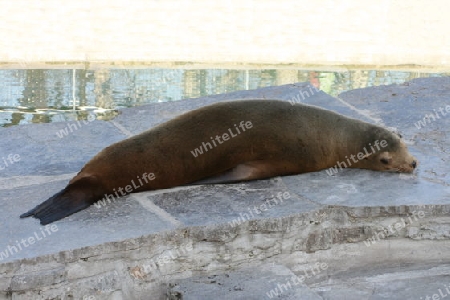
(284, 139)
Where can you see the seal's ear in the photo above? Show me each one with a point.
(395, 131)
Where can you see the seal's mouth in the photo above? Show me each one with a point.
(404, 168)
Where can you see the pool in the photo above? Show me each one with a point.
(56, 95)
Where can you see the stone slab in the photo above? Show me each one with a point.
(129, 231)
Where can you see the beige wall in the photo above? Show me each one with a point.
(320, 32)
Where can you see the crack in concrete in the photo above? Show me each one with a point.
(153, 208)
(122, 129)
(361, 112)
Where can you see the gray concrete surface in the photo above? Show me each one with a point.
(153, 244)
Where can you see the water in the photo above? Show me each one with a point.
(55, 95)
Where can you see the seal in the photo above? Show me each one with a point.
(229, 142)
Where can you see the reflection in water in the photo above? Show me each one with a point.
(102, 90)
(35, 89)
(41, 96)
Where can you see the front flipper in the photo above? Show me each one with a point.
(74, 197)
(258, 169)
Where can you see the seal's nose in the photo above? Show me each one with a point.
(414, 164)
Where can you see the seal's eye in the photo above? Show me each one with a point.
(384, 161)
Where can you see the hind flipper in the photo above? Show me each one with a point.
(258, 169)
(75, 197)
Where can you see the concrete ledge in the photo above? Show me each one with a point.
(375, 224)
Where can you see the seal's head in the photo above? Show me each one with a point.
(396, 159)
(387, 152)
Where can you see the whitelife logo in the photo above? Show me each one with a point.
(333, 170)
(225, 136)
(128, 189)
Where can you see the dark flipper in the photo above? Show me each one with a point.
(259, 169)
(75, 197)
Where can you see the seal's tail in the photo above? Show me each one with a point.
(75, 197)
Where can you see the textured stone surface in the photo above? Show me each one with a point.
(270, 281)
(277, 282)
(381, 235)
